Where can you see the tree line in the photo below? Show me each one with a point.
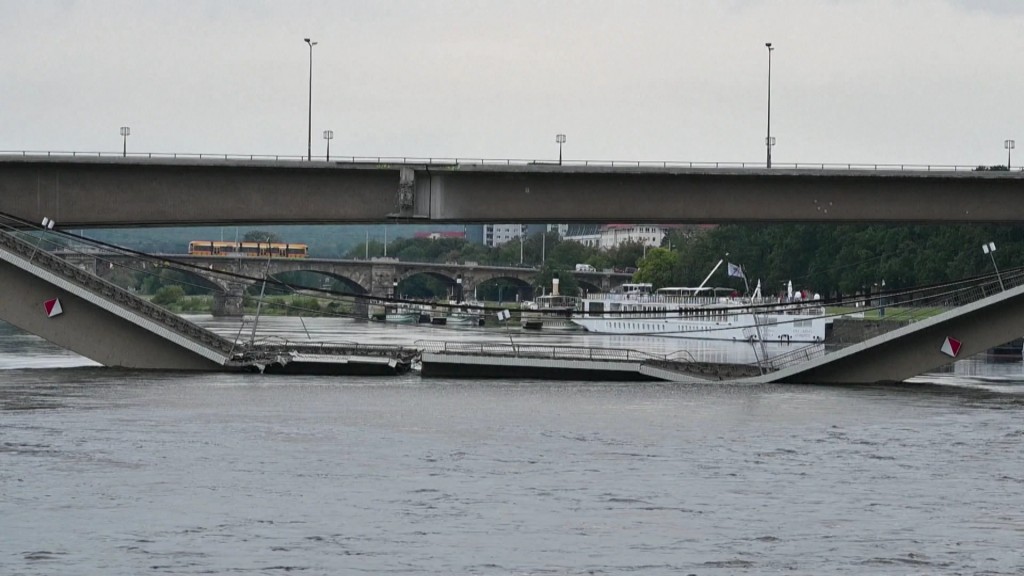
(838, 260)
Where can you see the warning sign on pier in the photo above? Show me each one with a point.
(951, 347)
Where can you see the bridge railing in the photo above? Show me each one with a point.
(16, 242)
(554, 352)
(470, 161)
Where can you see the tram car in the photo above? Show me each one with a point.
(247, 249)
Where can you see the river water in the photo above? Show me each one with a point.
(116, 472)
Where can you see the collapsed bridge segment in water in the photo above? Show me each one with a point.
(977, 317)
(558, 362)
(77, 310)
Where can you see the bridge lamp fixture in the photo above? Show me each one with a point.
(125, 133)
(1009, 145)
(328, 135)
(769, 141)
(309, 132)
(560, 138)
(990, 249)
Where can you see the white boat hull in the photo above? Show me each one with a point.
(739, 327)
(402, 317)
(463, 320)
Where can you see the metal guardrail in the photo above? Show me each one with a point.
(289, 348)
(553, 352)
(457, 161)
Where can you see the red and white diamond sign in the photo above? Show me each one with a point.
(951, 347)
(53, 308)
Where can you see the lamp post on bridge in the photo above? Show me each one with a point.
(768, 140)
(560, 138)
(1009, 145)
(328, 135)
(990, 249)
(309, 133)
(125, 132)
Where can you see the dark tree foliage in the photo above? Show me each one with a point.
(843, 259)
(262, 236)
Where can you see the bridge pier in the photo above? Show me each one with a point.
(361, 309)
(229, 302)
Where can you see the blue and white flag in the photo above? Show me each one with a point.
(736, 271)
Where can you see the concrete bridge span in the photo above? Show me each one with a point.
(76, 310)
(921, 346)
(86, 192)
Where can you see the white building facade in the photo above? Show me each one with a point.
(612, 235)
(498, 234)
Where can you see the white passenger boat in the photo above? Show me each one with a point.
(701, 313)
(401, 315)
(464, 314)
(551, 312)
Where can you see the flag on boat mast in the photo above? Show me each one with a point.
(736, 271)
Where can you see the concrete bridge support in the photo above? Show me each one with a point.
(229, 303)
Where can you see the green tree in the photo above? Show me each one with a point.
(261, 236)
(168, 295)
(661, 267)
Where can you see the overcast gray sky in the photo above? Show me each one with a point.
(909, 81)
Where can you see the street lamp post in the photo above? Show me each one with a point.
(1009, 145)
(769, 141)
(560, 138)
(125, 132)
(309, 133)
(328, 135)
(522, 231)
(990, 249)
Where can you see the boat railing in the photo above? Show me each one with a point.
(671, 300)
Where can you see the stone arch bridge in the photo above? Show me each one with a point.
(377, 277)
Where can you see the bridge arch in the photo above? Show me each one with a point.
(495, 286)
(346, 282)
(436, 284)
(588, 287)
